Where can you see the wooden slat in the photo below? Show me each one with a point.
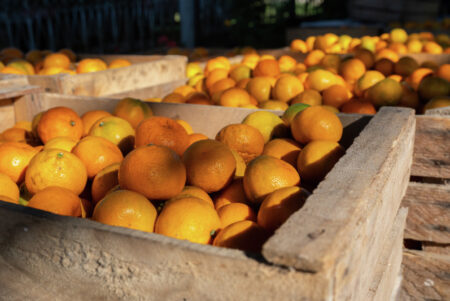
(436, 248)
(432, 147)
(15, 91)
(429, 212)
(160, 90)
(425, 276)
(344, 223)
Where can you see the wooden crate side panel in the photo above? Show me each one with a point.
(7, 114)
(18, 90)
(92, 261)
(7, 80)
(159, 90)
(429, 212)
(134, 59)
(432, 247)
(365, 198)
(431, 148)
(425, 276)
(387, 277)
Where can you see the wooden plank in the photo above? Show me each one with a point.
(425, 276)
(432, 147)
(436, 248)
(445, 111)
(345, 221)
(429, 212)
(8, 80)
(7, 118)
(160, 90)
(15, 91)
(387, 277)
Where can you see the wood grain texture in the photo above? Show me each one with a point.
(160, 90)
(429, 212)
(364, 191)
(445, 111)
(432, 147)
(436, 248)
(18, 90)
(425, 276)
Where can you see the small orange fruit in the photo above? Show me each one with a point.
(417, 76)
(187, 127)
(188, 218)
(265, 174)
(309, 97)
(352, 69)
(9, 188)
(119, 63)
(194, 137)
(437, 102)
(127, 209)
(56, 167)
(132, 110)
(12, 70)
(91, 65)
(174, 98)
(405, 66)
(26, 125)
(193, 191)
(184, 90)
(410, 98)
(155, 171)
(275, 105)
(222, 85)
(115, 129)
(444, 72)
(387, 54)
(104, 181)
(278, 206)
(234, 97)
(317, 158)
(60, 122)
(432, 47)
(235, 212)
(287, 63)
(286, 88)
(240, 72)
(386, 92)
(357, 106)
(366, 81)
(69, 53)
(365, 56)
(284, 149)
(335, 96)
(320, 80)
(14, 135)
(385, 66)
(267, 67)
(269, 124)
(198, 98)
(260, 88)
(243, 235)
(89, 118)
(233, 193)
(14, 159)
(58, 200)
(214, 76)
(314, 58)
(316, 123)
(431, 87)
(298, 45)
(57, 60)
(64, 143)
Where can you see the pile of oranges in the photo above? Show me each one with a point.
(44, 62)
(154, 174)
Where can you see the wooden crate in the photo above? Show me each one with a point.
(146, 71)
(343, 244)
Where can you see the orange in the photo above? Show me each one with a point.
(444, 72)
(405, 66)
(193, 191)
(366, 81)
(14, 135)
(56, 167)
(60, 122)
(398, 35)
(365, 56)
(199, 98)
(286, 63)
(396, 77)
(385, 66)
(155, 171)
(174, 98)
(97, 153)
(430, 65)
(279, 205)
(217, 63)
(268, 67)
(127, 209)
(26, 125)
(115, 129)
(410, 98)
(432, 47)
(316, 123)
(11, 52)
(119, 63)
(398, 48)
(320, 80)
(58, 200)
(187, 127)
(64, 143)
(386, 92)
(221, 85)
(210, 165)
(286, 88)
(269, 124)
(243, 235)
(132, 110)
(245, 139)
(314, 58)
(417, 76)
(260, 88)
(188, 218)
(317, 158)
(235, 212)
(352, 69)
(214, 76)
(9, 188)
(240, 72)
(12, 70)
(335, 96)
(57, 60)
(275, 105)
(284, 149)
(310, 97)
(431, 87)
(233, 193)
(310, 42)
(14, 159)
(235, 97)
(331, 61)
(298, 45)
(437, 102)
(265, 174)
(22, 65)
(89, 118)
(250, 60)
(184, 90)
(104, 181)
(69, 53)
(6, 199)
(194, 137)
(91, 65)
(387, 54)
(163, 131)
(414, 46)
(358, 107)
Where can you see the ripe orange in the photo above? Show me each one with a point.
(286, 63)
(188, 218)
(210, 165)
(317, 158)
(410, 98)
(284, 149)
(432, 47)
(386, 92)
(268, 123)
(286, 88)
(352, 69)
(437, 102)
(193, 191)
(119, 63)
(194, 137)
(279, 205)
(184, 90)
(127, 209)
(358, 107)
(387, 54)
(22, 65)
(155, 171)
(60, 122)
(240, 72)
(417, 76)
(314, 58)
(243, 235)
(214, 76)
(12, 70)
(259, 88)
(234, 97)
(14, 159)
(310, 97)
(405, 66)
(266, 174)
(14, 135)
(385, 66)
(163, 131)
(233, 193)
(132, 110)
(316, 123)
(298, 45)
(199, 98)
(221, 85)
(235, 212)
(245, 139)
(58, 200)
(431, 87)
(444, 72)
(335, 96)
(366, 81)
(64, 143)
(57, 60)
(320, 80)
(104, 181)
(267, 67)
(174, 98)
(9, 188)
(365, 56)
(56, 167)
(115, 129)
(91, 65)
(89, 118)
(275, 105)
(69, 53)
(97, 153)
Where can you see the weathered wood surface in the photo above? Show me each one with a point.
(386, 281)
(8, 80)
(160, 90)
(18, 90)
(429, 212)
(436, 248)
(345, 221)
(426, 276)
(432, 147)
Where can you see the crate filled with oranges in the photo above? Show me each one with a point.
(92, 75)
(120, 198)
